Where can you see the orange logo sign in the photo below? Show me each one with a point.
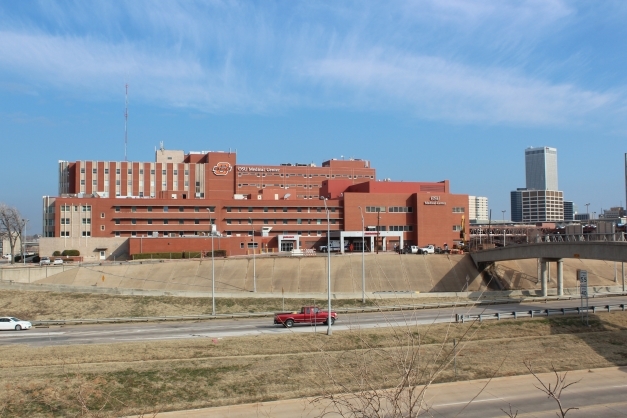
(222, 169)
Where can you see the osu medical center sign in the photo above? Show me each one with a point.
(434, 200)
(258, 169)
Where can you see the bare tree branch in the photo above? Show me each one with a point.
(12, 226)
(554, 392)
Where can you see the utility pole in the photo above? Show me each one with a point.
(254, 262)
(363, 265)
(329, 331)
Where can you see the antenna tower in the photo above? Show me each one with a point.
(125, 121)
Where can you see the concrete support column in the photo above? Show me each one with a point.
(544, 271)
(560, 277)
(539, 270)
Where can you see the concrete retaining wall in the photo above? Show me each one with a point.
(274, 275)
(31, 273)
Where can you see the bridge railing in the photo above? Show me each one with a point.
(595, 237)
(479, 243)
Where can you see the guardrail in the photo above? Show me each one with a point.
(365, 309)
(536, 312)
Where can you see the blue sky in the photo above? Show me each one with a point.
(425, 90)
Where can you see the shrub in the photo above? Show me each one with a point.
(71, 253)
(56, 253)
(178, 256)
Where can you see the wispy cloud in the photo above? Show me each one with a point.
(436, 88)
(446, 59)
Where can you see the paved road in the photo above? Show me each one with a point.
(600, 393)
(128, 332)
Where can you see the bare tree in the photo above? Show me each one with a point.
(392, 381)
(554, 391)
(511, 413)
(12, 226)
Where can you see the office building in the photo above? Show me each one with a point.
(613, 213)
(569, 211)
(516, 204)
(541, 168)
(477, 209)
(542, 206)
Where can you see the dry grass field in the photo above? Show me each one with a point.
(35, 305)
(135, 378)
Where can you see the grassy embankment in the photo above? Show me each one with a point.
(134, 378)
(33, 305)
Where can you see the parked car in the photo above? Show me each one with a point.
(334, 245)
(407, 249)
(307, 315)
(429, 249)
(58, 261)
(44, 260)
(9, 322)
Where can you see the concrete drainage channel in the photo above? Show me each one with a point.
(460, 317)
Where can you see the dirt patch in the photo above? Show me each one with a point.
(134, 378)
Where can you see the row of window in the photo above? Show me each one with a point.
(66, 221)
(228, 221)
(394, 228)
(305, 175)
(167, 209)
(164, 184)
(406, 228)
(401, 209)
(83, 233)
(287, 186)
(130, 171)
(68, 208)
(283, 221)
(165, 221)
(404, 209)
(267, 209)
(382, 228)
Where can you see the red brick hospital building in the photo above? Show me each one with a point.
(172, 204)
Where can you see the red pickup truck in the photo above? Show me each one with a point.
(307, 315)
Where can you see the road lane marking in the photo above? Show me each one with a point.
(467, 402)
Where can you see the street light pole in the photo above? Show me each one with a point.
(363, 265)
(503, 227)
(254, 262)
(24, 221)
(329, 332)
(378, 227)
(213, 272)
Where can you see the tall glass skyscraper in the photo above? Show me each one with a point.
(516, 203)
(541, 168)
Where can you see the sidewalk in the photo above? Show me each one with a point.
(600, 392)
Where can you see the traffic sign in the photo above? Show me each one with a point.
(582, 276)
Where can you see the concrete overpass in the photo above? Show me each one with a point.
(554, 251)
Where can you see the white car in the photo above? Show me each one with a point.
(8, 322)
(44, 260)
(57, 261)
(429, 249)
